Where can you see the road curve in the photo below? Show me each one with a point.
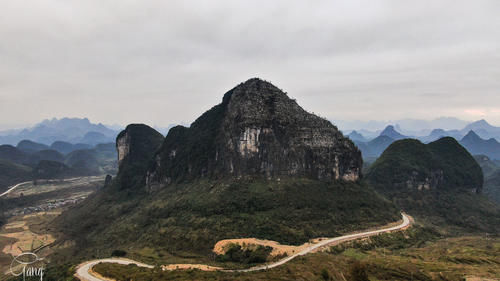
(82, 271)
(13, 187)
(405, 223)
(84, 275)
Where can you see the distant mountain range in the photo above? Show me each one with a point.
(72, 130)
(481, 127)
(406, 126)
(484, 143)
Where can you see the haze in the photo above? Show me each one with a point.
(162, 62)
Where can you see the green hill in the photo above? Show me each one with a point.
(438, 182)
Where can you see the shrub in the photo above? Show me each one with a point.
(118, 253)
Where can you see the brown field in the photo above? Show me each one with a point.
(18, 236)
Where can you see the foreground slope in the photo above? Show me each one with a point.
(256, 165)
(439, 182)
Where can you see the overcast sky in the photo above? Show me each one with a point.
(162, 62)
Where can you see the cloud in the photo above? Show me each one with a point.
(159, 62)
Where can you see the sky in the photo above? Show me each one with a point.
(164, 62)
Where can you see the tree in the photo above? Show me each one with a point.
(358, 272)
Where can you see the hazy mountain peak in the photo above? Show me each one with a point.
(354, 135)
(471, 135)
(391, 132)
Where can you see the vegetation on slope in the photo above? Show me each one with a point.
(411, 259)
(192, 217)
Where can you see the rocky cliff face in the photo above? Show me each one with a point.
(122, 146)
(256, 130)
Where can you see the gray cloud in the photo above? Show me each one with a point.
(160, 62)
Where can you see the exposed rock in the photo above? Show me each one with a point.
(256, 130)
(122, 146)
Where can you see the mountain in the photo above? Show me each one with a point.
(440, 133)
(355, 136)
(389, 131)
(438, 182)
(256, 130)
(255, 165)
(476, 145)
(66, 129)
(483, 129)
(375, 147)
(407, 125)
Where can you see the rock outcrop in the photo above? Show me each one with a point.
(136, 146)
(256, 130)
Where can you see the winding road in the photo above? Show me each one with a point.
(13, 187)
(83, 270)
(10, 189)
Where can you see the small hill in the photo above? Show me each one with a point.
(47, 169)
(31, 146)
(12, 173)
(476, 145)
(85, 161)
(438, 182)
(47, 154)
(11, 153)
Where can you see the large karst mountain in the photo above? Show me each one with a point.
(256, 130)
(256, 165)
